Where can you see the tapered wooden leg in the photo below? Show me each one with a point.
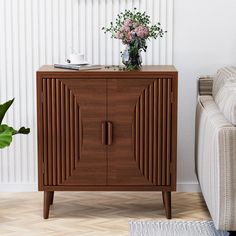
(166, 196)
(51, 197)
(46, 205)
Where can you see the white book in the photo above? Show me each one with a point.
(77, 66)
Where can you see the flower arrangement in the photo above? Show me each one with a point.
(133, 29)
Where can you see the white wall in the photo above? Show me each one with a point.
(204, 40)
(37, 32)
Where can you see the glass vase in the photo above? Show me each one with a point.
(131, 58)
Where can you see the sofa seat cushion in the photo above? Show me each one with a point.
(224, 92)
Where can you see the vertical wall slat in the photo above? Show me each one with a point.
(89, 30)
(109, 42)
(149, 58)
(169, 35)
(15, 68)
(68, 29)
(97, 28)
(55, 31)
(23, 84)
(48, 31)
(9, 69)
(62, 30)
(116, 45)
(103, 22)
(3, 90)
(30, 86)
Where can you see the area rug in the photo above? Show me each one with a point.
(174, 228)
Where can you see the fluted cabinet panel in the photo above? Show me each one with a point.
(40, 32)
(61, 118)
(151, 141)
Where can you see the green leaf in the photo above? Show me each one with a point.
(3, 109)
(23, 130)
(6, 133)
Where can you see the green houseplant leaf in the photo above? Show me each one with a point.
(22, 130)
(6, 132)
(5, 136)
(3, 109)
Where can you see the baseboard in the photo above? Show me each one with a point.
(188, 187)
(31, 187)
(181, 187)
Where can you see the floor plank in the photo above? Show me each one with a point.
(91, 213)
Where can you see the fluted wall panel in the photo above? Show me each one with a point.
(33, 33)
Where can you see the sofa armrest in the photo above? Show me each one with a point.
(215, 157)
(205, 84)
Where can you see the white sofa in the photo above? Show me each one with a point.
(215, 145)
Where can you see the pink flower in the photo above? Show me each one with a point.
(128, 23)
(127, 29)
(122, 29)
(118, 35)
(142, 31)
(135, 24)
(129, 37)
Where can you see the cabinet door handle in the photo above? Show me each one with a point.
(104, 133)
(110, 132)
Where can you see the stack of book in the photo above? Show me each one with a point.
(77, 66)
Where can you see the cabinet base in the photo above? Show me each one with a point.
(49, 196)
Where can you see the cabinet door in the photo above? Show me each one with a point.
(139, 111)
(73, 110)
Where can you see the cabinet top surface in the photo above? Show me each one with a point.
(144, 69)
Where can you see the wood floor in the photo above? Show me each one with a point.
(91, 213)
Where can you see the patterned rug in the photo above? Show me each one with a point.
(174, 228)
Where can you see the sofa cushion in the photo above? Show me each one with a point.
(224, 92)
(221, 77)
(226, 99)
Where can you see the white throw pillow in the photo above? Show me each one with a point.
(225, 98)
(221, 77)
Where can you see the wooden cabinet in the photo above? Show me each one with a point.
(107, 130)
